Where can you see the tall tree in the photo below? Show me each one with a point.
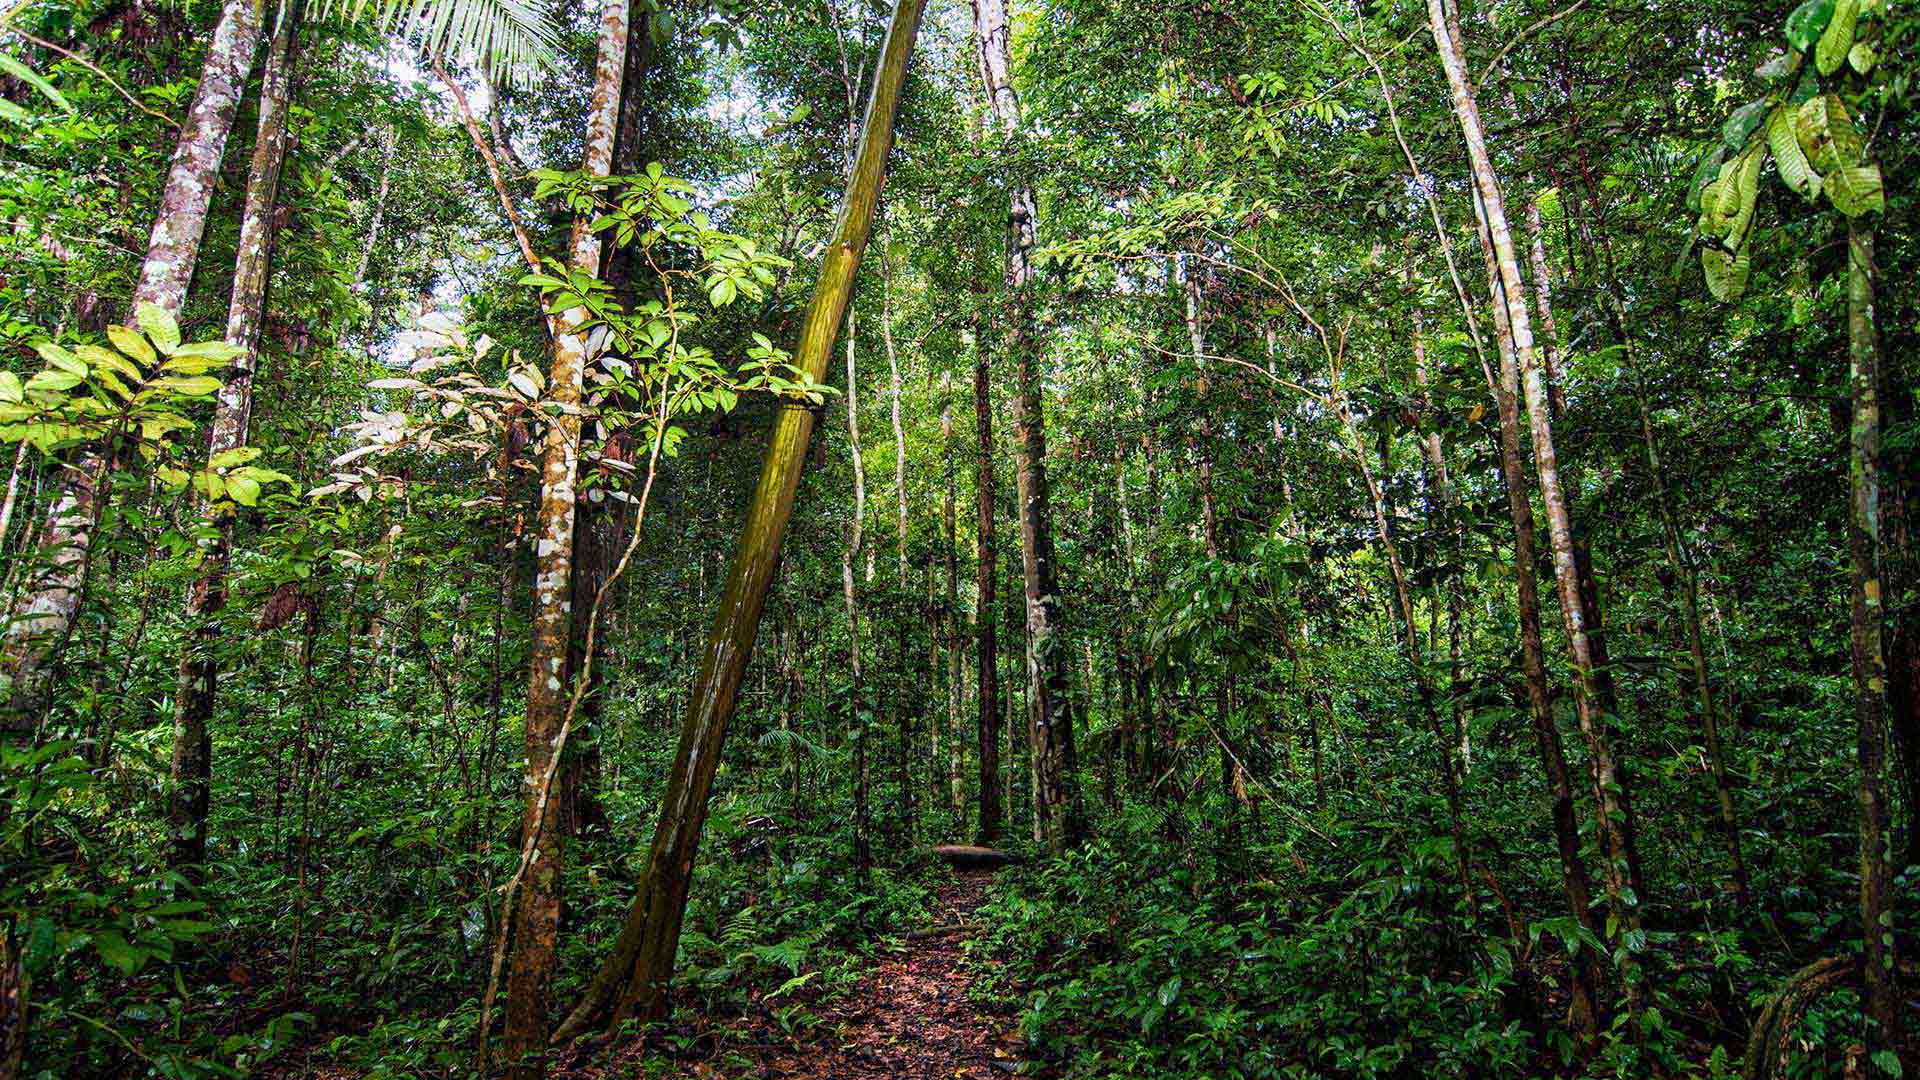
(199, 665)
(634, 978)
(536, 918)
(1056, 800)
(43, 615)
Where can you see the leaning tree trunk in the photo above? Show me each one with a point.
(536, 919)
(192, 771)
(635, 977)
(1595, 722)
(46, 608)
(1869, 659)
(1056, 800)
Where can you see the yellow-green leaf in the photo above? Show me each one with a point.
(1726, 272)
(1856, 190)
(129, 341)
(1861, 56)
(159, 325)
(1837, 38)
(1787, 156)
(1827, 133)
(245, 490)
(191, 386)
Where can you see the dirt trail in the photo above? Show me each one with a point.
(910, 1018)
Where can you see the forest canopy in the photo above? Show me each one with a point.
(837, 539)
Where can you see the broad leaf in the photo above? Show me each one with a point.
(1856, 190)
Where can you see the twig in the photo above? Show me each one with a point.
(95, 68)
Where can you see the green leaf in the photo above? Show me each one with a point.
(1856, 190)
(1784, 141)
(159, 326)
(34, 79)
(129, 341)
(1837, 39)
(1807, 21)
(191, 385)
(10, 388)
(245, 490)
(1726, 272)
(1861, 57)
(1827, 133)
(1742, 124)
(116, 950)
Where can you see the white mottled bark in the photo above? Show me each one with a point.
(42, 618)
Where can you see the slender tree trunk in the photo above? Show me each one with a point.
(1575, 882)
(986, 652)
(42, 616)
(192, 770)
(536, 919)
(1057, 798)
(391, 139)
(857, 719)
(956, 782)
(1595, 722)
(1869, 659)
(638, 971)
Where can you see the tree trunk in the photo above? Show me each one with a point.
(45, 611)
(857, 719)
(956, 783)
(986, 651)
(1869, 659)
(1595, 722)
(640, 968)
(1056, 799)
(192, 769)
(536, 919)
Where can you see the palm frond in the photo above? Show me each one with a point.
(514, 38)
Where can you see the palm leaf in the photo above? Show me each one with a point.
(514, 37)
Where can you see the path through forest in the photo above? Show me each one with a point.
(910, 1017)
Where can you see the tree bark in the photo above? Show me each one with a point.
(956, 782)
(192, 768)
(1595, 722)
(45, 611)
(536, 919)
(1869, 658)
(986, 647)
(1056, 798)
(857, 718)
(635, 977)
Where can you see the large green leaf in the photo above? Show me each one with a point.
(1746, 195)
(1827, 133)
(1741, 125)
(1856, 190)
(1784, 142)
(1837, 39)
(1807, 21)
(1726, 272)
(32, 78)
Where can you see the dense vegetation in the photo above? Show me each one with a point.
(1400, 516)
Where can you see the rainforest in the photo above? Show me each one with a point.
(956, 539)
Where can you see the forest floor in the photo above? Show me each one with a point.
(910, 1017)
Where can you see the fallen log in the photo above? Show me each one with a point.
(970, 857)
